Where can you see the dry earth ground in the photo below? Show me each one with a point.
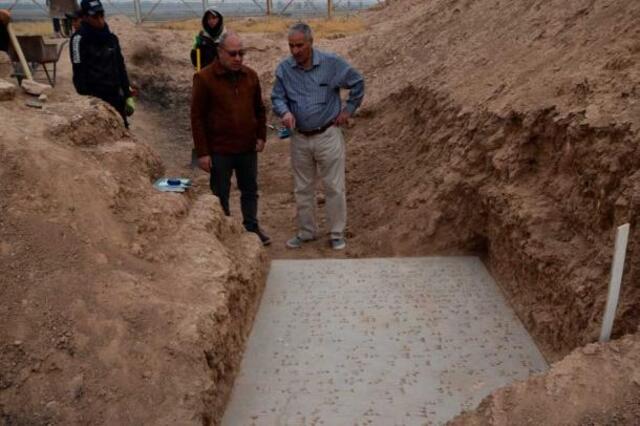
(504, 129)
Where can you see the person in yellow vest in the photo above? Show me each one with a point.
(205, 44)
(205, 48)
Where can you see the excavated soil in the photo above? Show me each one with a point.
(502, 129)
(121, 305)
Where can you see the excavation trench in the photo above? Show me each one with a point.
(473, 240)
(493, 193)
(535, 194)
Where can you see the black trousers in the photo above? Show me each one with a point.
(246, 168)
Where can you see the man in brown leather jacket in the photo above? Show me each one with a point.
(229, 128)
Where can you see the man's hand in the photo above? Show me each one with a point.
(5, 16)
(289, 121)
(204, 163)
(260, 145)
(342, 118)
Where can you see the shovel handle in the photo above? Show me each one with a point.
(18, 50)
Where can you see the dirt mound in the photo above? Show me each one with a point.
(575, 56)
(572, 393)
(123, 305)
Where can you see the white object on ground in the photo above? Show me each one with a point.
(35, 88)
(400, 341)
(617, 268)
(172, 184)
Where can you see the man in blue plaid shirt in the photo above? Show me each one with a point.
(306, 96)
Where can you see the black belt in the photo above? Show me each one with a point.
(316, 131)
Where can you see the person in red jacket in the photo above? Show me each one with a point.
(229, 128)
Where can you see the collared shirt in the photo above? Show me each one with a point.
(313, 95)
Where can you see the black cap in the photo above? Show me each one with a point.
(91, 7)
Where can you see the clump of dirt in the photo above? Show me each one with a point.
(80, 126)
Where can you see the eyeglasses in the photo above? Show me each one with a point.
(234, 53)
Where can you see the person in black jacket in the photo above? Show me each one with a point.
(5, 18)
(205, 44)
(98, 64)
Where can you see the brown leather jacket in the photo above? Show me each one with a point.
(227, 112)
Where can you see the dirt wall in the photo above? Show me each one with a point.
(121, 305)
(537, 193)
(482, 136)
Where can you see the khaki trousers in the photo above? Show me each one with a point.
(322, 155)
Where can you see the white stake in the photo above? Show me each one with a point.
(617, 267)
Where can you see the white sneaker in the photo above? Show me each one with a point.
(296, 242)
(338, 243)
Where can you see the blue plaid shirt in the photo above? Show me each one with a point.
(313, 95)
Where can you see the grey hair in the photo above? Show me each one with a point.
(301, 27)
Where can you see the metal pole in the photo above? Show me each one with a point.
(329, 8)
(286, 6)
(268, 7)
(617, 267)
(136, 7)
